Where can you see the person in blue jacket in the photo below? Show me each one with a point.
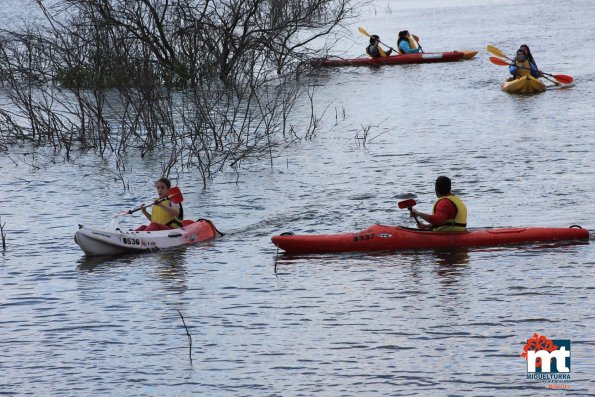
(405, 43)
(523, 64)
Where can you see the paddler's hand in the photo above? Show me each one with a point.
(143, 208)
(413, 213)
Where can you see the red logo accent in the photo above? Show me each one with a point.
(536, 343)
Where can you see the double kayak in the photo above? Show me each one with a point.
(114, 242)
(523, 85)
(394, 238)
(402, 59)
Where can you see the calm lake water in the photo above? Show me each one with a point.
(411, 323)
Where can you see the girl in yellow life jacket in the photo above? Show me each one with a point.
(523, 64)
(165, 215)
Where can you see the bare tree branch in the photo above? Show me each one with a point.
(208, 83)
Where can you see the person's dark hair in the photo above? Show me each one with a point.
(527, 51)
(374, 38)
(164, 180)
(442, 185)
(402, 36)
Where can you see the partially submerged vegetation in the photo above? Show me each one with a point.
(2, 234)
(206, 83)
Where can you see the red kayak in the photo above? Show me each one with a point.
(426, 57)
(392, 238)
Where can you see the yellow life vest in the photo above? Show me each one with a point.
(522, 72)
(159, 215)
(459, 223)
(412, 44)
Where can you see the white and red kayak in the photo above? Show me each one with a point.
(114, 242)
(392, 238)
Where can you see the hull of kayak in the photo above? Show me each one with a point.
(403, 59)
(523, 85)
(391, 238)
(115, 242)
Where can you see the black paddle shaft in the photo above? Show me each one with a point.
(155, 202)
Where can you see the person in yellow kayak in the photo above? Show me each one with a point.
(165, 215)
(406, 44)
(523, 64)
(449, 213)
(374, 50)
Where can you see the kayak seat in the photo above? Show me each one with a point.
(186, 222)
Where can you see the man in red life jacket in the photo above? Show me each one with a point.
(449, 213)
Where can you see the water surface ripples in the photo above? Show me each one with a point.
(408, 323)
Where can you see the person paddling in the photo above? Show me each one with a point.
(165, 215)
(374, 50)
(523, 64)
(406, 44)
(449, 213)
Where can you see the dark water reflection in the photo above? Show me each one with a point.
(410, 323)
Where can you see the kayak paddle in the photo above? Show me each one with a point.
(417, 41)
(562, 78)
(502, 62)
(409, 203)
(365, 33)
(174, 194)
(497, 52)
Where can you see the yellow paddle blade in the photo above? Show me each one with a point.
(363, 31)
(416, 38)
(496, 52)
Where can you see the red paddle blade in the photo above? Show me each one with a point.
(175, 195)
(406, 203)
(499, 62)
(563, 78)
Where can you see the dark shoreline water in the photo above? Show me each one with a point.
(410, 323)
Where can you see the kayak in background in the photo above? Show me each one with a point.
(523, 85)
(393, 238)
(402, 59)
(114, 242)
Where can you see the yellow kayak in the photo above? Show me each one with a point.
(523, 85)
